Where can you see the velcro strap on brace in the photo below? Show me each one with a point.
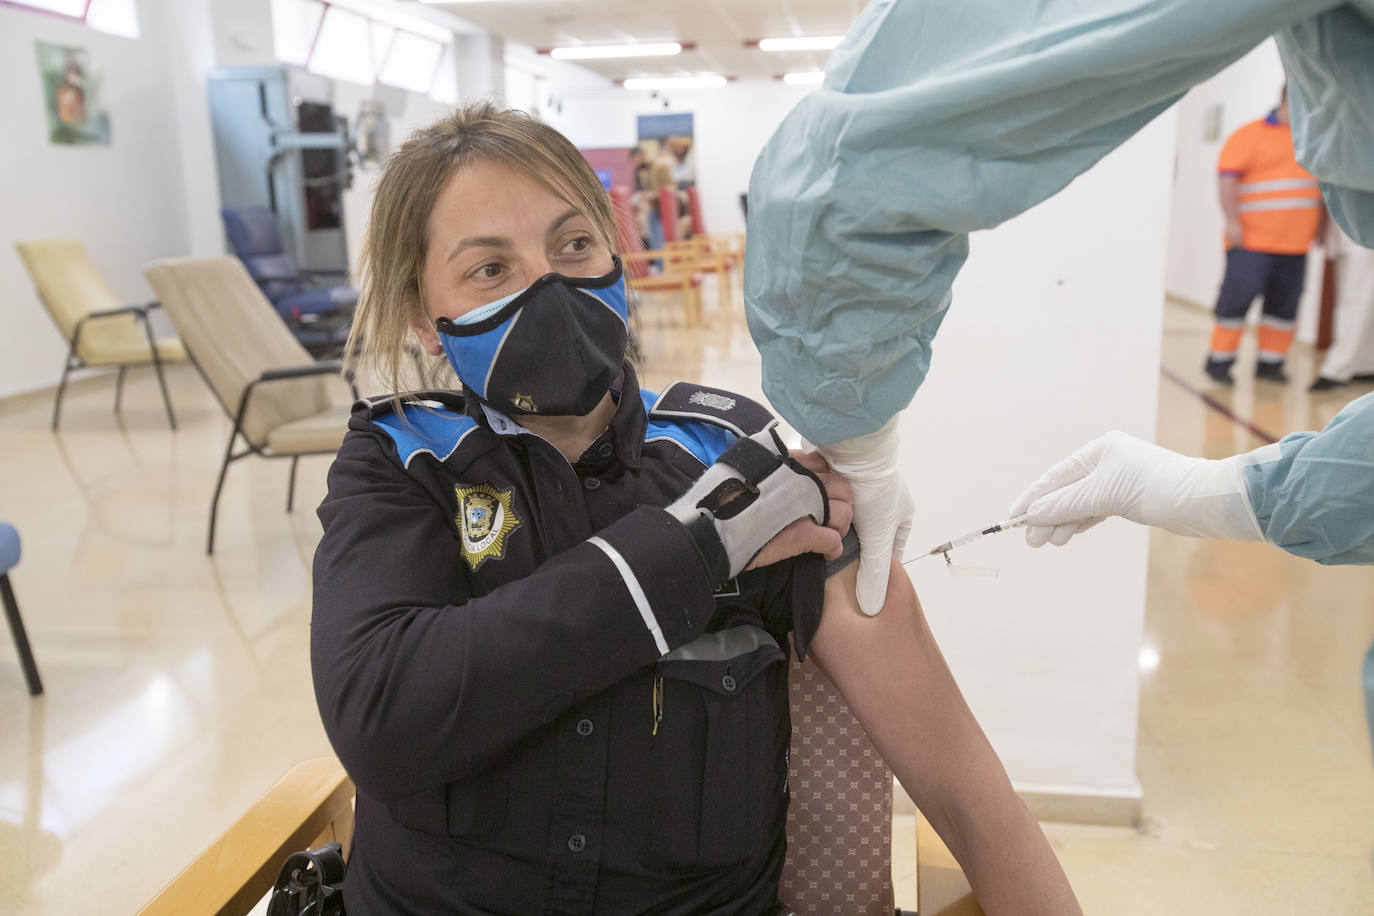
(708, 544)
(753, 461)
(739, 504)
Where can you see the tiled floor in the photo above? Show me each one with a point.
(178, 685)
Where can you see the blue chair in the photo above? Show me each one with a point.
(9, 558)
(317, 313)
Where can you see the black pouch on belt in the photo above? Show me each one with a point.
(310, 883)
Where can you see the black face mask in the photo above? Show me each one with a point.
(553, 348)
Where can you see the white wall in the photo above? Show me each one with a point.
(1046, 347)
(123, 201)
(731, 123)
(1246, 90)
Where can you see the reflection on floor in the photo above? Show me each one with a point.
(179, 689)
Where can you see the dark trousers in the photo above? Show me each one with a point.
(1276, 277)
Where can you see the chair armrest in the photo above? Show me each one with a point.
(138, 311)
(312, 803)
(941, 888)
(317, 274)
(111, 313)
(323, 367)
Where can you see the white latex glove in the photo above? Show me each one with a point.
(1117, 474)
(882, 506)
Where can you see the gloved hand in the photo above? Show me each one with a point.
(754, 490)
(1118, 474)
(882, 506)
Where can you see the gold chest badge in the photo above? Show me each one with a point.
(485, 520)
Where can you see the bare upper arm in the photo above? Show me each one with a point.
(895, 680)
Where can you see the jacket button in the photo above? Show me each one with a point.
(577, 842)
(584, 727)
(591, 483)
(605, 450)
(728, 682)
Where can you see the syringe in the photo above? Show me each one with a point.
(978, 535)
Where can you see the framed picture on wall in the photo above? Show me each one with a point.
(71, 94)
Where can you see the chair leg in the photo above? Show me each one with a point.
(119, 387)
(21, 638)
(62, 388)
(157, 367)
(291, 486)
(219, 485)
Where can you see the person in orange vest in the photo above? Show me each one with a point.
(1274, 211)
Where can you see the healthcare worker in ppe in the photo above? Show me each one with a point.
(936, 119)
(1311, 494)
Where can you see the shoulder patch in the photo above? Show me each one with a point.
(700, 430)
(426, 427)
(735, 412)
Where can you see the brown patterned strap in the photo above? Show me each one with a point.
(839, 843)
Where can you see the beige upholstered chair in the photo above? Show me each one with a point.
(839, 827)
(273, 391)
(100, 330)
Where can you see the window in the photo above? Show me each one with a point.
(73, 8)
(411, 63)
(115, 17)
(295, 23)
(361, 42)
(343, 48)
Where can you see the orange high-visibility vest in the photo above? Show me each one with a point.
(1280, 203)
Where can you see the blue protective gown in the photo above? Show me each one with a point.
(1313, 493)
(938, 118)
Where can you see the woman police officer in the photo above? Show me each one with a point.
(551, 612)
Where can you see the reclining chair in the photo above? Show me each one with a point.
(318, 315)
(838, 828)
(267, 383)
(100, 330)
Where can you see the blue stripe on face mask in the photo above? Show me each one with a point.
(472, 357)
(613, 297)
(476, 354)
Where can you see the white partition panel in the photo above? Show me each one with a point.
(1053, 338)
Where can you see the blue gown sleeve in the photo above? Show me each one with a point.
(1329, 60)
(1313, 493)
(937, 119)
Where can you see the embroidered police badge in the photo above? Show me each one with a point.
(524, 402)
(712, 399)
(485, 520)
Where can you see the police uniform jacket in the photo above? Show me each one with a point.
(522, 664)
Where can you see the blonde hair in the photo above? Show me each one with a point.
(393, 256)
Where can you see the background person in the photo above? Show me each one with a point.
(1273, 211)
(1351, 355)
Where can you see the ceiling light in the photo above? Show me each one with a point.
(602, 52)
(804, 78)
(813, 43)
(704, 81)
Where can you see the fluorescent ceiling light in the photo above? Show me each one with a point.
(814, 43)
(705, 81)
(804, 78)
(601, 52)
